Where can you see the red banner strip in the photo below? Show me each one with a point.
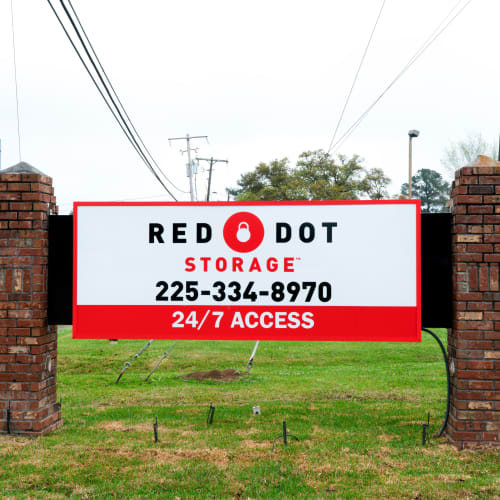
(381, 324)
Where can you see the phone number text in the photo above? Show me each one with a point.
(234, 291)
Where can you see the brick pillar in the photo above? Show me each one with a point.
(474, 340)
(28, 346)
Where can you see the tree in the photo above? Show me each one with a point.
(431, 188)
(271, 181)
(377, 183)
(464, 152)
(317, 176)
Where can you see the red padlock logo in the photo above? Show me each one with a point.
(243, 232)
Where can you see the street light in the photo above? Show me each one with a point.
(411, 134)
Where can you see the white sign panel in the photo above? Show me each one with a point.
(283, 270)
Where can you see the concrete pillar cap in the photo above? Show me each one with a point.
(485, 161)
(21, 168)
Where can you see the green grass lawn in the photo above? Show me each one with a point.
(357, 409)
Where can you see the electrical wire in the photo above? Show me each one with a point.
(15, 79)
(139, 138)
(136, 198)
(111, 106)
(130, 135)
(430, 40)
(357, 74)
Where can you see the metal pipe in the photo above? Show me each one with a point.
(409, 169)
(448, 385)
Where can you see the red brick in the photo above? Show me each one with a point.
(491, 238)
(492, 219)
(492, 335)
(40, 206)
(481, 189)
(473, 296)
(492, 315)
(9, 196)
(38, 216)
(480, 344)
(480, 405)
(465, 436)
(481, 229)
(29, 377)
(494, 286)
(472, 179)
(480, 384)
(460, 189)
(469, 219)
(18, 186)
(469, 238)
(41, 188)
(491, 396)
(471, 199)
(492, 258)
(495, 199)
(479, 306)
(480, 247)
(480, 325)
(469, 374)
(469, 395)
(480, 365)
(489, 436)
(470, 315)
(20, 224)
(39, 252)
(21, 205)
(473, 278)
(490, 179)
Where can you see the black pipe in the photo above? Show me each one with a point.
(8, 420)
(448, 385)
(155, 429)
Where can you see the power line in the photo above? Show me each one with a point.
(15, 79)
(110, 102)
(188, 139)
(430, 40)
(212, 160)
(118, 98)
(130, 135)
(357, 74)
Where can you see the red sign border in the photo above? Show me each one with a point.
(389, 329)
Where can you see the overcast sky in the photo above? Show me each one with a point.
(262, 79)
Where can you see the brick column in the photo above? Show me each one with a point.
(474, 340)
(28, 346)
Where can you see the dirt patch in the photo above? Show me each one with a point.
(219, 375)
(9, 444)
(252, 445)
(114, 426)
(216, 456)
(245, 432)
(387, 438)
(117, 426)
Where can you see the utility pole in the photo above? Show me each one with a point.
(411, 134)
(188, 150)
(212, 160)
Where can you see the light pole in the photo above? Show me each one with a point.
(411, 135)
